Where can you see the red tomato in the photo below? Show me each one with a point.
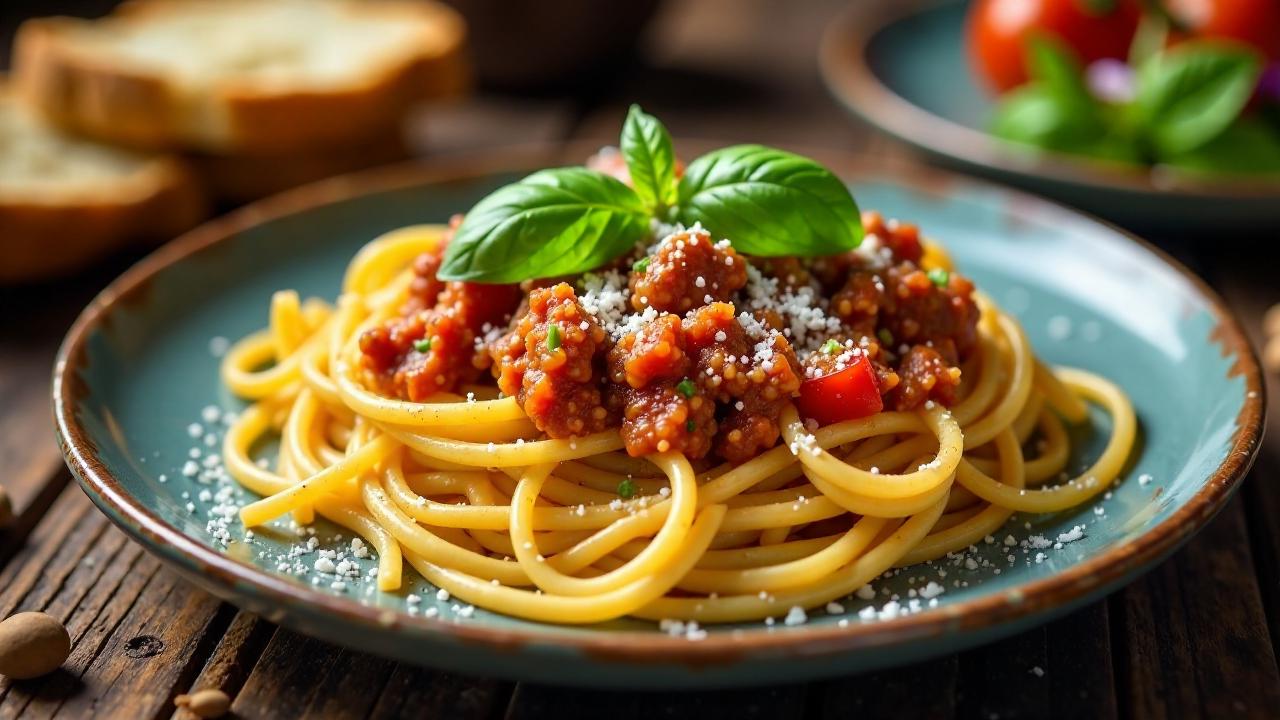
(1256, 22)
(998, 31)
(845, 395)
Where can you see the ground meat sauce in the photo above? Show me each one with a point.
(431, 346)
(921, 327)
(693, 384)
(677, 345)
(550, 362)
(687, 270)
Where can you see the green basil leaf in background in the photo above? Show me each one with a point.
(1056, 71)
(1055, 111)
(1034, 115)
(1151, 37)
(651, 159)
(553, 222)
(1247, 146)
(1188, 94)
(769, 202)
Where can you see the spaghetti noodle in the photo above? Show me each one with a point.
(465, 487)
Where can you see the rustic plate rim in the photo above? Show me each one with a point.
(842, 61)
(1076, 583)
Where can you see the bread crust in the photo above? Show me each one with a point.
(41, 240)
(99, 96)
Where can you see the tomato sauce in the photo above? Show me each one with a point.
(691, 347)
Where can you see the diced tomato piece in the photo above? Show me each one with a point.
(845, 395)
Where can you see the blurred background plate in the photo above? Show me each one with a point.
(902, 67)
(137, 368)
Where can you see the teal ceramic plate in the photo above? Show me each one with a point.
(902, 67)
(136, 395)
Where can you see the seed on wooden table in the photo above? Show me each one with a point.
(6, 509)
(32, 644)
(1271, 354)
(207, 703)
(1271, 321)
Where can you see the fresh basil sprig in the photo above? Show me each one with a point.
(569, 220)
(1187, 95)
(651, 159)
(557, 221)
(1056, 111)
(1185, 110)
(769, 202)
(1247, 146)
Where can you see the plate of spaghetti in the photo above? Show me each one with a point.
(643, 423)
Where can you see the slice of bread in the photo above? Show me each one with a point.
(65, 202)
(240, 76)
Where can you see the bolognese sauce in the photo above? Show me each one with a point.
(689, 346)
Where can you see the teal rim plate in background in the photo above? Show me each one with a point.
(136, 395)
(902, 66)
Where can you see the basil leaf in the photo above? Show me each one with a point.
(1247, 146)
(554, 222)
(1190, 93)
(1057, 72)
(1035, 115)
(1149, 39)
(1055, 111)
(769, 202)
(651, 159)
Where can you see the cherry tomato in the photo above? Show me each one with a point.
(845, 395)
(998, 31)
(1256, 22)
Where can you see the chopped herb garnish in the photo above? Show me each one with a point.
(627, 489)
(886, 337)
(642, 264)
(939, 277)
(686, 388)
(423, 346)
(691, 426)
(553, 337)
(832, 346)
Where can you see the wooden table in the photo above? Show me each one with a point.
(1194, 638)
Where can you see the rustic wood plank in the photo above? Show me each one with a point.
(29, 338)
(266, 669)
(232, 659)
(314, 679)
(413, 691)
(1065, 665)
(138, 631)
(151, 652)
(1250, 288)
(33, 470)
(288, 674)
(28, 452)
(530, 700)
(1196, 638)
(351, 687)
(924, 690)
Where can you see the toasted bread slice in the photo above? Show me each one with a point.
(240, 76)
(65, 202)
